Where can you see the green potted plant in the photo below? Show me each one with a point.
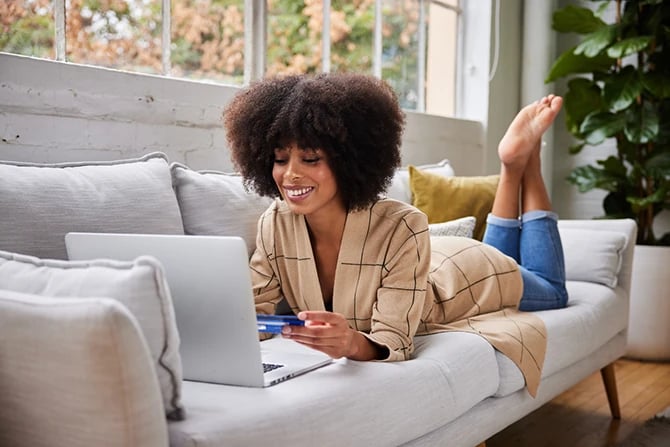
(619, 87)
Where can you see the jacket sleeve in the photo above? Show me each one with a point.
(400, 299)
(264, 280)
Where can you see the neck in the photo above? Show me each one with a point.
(327, 228)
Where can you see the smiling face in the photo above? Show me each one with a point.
(306, 181)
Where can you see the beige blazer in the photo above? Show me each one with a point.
(390, 285)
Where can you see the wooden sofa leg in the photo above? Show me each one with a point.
(609, 380)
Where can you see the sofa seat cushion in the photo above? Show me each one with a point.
(139, 285)
(40, 203)
(595, 314)
(369, 401)
(75, 373)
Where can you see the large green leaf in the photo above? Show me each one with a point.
(659, 162)
(582, 98)
(629, 46)
(597, 41)
(622, 88)
(657, 84)
(569, 63)
(575, 149)
(641, 124)
(573, 19)
(598, 126)
(590, 177)
(614, 167)
(660, 195)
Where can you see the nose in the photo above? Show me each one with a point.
(292, 169)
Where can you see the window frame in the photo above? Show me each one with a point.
(471, 79)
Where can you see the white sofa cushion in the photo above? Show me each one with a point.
(139, 285)
(77, 373)
(400, 187)
(592, 255)
(42, 202)
(345, 402)
(216, 203)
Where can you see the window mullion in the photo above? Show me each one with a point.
(421, 56)
(255, 37)
(377, 55)
(325, 37)
(59, 19)
(166, 41)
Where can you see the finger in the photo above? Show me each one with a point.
(325, 331)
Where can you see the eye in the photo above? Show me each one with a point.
(280, 161)
(312, 160)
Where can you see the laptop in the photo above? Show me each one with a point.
(210, 284)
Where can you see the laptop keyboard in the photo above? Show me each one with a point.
(267, 367)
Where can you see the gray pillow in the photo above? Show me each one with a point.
(592, 255)
(462, 227)
(215, 203)
(40, 203)
(139, 285)
(77, 373)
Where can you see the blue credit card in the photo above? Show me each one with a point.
(273, 323)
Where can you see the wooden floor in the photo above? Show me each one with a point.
(580, 417)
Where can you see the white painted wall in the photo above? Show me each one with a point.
(52, 112)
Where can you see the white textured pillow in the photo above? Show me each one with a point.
(463, 227)
(77, 372)
(216, 204)
(42, 202)
(139, 285)
(592, 255)
(400, 188)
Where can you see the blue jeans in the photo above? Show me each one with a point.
(535, 244)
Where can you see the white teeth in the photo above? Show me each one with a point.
(297, 192)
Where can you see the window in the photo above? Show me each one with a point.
(410, 43)
(27, 27)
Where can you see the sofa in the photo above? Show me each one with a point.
(89, 350)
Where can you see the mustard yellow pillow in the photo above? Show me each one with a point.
(448, 198)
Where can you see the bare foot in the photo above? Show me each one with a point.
(524, 135)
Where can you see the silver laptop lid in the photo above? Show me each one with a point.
(210, 284)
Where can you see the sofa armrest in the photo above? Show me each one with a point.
(627, 227)
(75, 372)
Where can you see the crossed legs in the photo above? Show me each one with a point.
(521, 223)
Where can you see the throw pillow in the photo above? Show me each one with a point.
(463, 227)
(214, 203)
(448, 198)
(139, 285)
(400, 189)
(40, 203)
(77, 373)
(592, 255)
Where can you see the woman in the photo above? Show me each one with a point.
(359, 268)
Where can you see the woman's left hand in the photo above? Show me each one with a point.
(330, 333)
